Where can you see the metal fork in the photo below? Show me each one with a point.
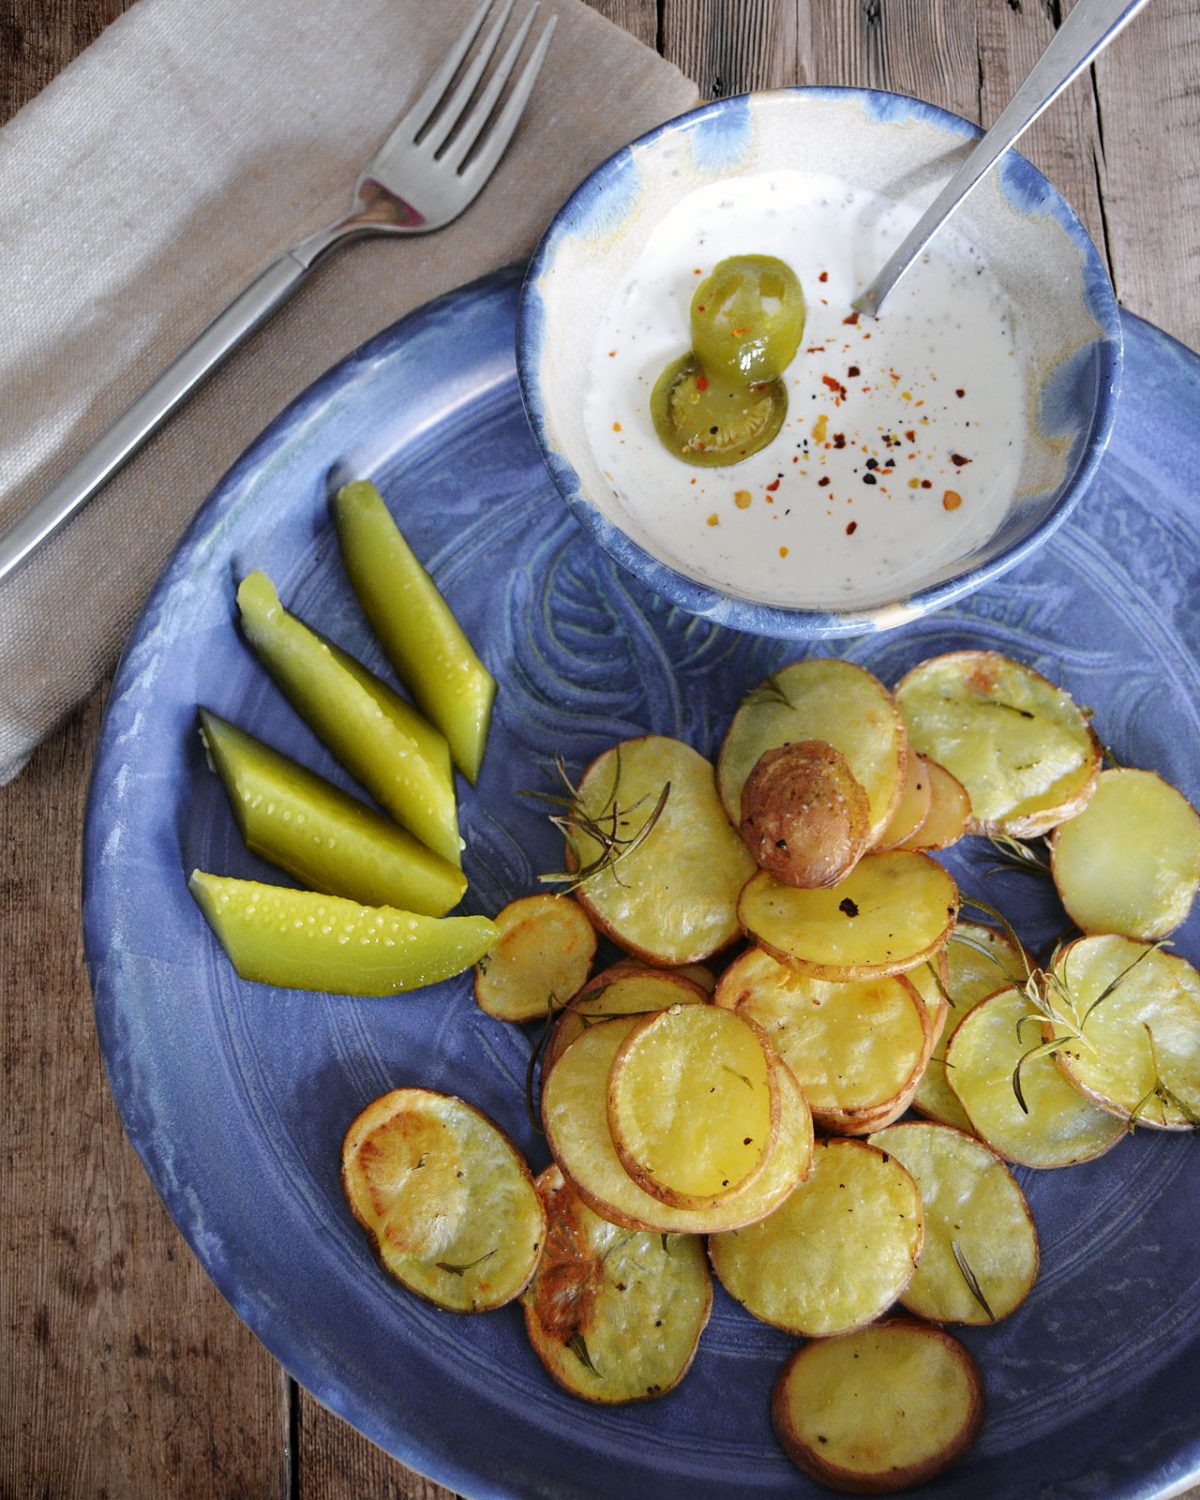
(421, 178)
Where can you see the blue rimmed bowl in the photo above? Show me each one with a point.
(1017, 223)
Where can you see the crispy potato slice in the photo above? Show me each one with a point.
(856, 1049)
(446, 1200)
(837, 1254)
(575, 1116)
(673, 899)
(693, 1104)
(879, 1410)
(613, 1315)
(820, 699)
(623, 989)
(1139, 1011)
(978, 1227)
(916, 798)
(1020, 746)
(542, 957)
(804, 816)
(949, 814)
(892, 912)
(1129, 863)
(979, 961)
(1061, 1126)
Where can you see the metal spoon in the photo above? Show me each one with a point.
(1088, 29)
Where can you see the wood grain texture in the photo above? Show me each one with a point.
(125, 1374)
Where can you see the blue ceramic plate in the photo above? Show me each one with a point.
(237, 1096)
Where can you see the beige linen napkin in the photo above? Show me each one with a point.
(149, 183)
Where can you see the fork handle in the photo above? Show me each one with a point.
(129, 432)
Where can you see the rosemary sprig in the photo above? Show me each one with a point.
(1016, 854)
(1166, 1097)
(578, 1347)
(445, 1265)
(971, 1279)
(603, 828)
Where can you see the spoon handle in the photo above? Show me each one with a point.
(1088, 29)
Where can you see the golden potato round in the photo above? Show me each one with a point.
(805, 816)
(879, 1410)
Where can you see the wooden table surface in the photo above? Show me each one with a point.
(123, 1373)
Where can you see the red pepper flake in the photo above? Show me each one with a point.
(783, 551)
(951, 500)
(702, 382)
(815, 349)
(612, 354)
(824, 276)
(823, 482)
(773, 486)
(839, 440)
(851, 527)
(960, 394)
(926, 484)
(958, 460)
(853, 373)
(851, 320)
(616, 426)
(836, 386)
(697, 271)
(910, 434)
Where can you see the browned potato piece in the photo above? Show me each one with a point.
(1022, 748)
(892, 912)
(599, 1290)
(542, 956)
(445, 1197)
(624, 989)
(879, 1410)
(916, 797)
(949, 814)
(837, 1254)
(693, 1104)
(575, 1116)
(805, 817)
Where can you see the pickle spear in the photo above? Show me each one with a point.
(365, 739)
(423, 640)
(304, 941)
(328, 840)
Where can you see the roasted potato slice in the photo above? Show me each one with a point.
(446, 1200)
(575, 1116)
(672, 899)
(856, 1048)
(892, 912)
(916, 798)
(1138, 1011)
(836, 1254)
(613, 1315)
(880, 1410)
(1129, 863)
(980, 1254)
(979, 961)
(820, 699)
(623, 989)
(804, 816)
(540, 960)
(949, 814)
(1021, 747)
(693, 1104)
(1059, 1126)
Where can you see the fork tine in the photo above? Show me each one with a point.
(461, 97)
(419, 114)
(482, 111)
(502, 132)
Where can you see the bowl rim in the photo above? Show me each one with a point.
(796, 622)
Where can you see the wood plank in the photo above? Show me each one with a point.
(126, 1373)
(1147, 88)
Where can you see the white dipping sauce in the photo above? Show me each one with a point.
(864, 494)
